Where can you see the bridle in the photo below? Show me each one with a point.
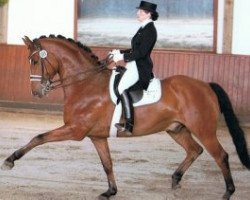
(47, 83)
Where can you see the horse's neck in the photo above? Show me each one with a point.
(74, 66)
(78, 75)
(93, 86)
(78, 69)
(72, 60)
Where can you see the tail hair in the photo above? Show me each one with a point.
(232, 123)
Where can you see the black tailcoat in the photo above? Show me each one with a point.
(142, 45)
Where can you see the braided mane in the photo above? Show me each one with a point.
(79, 44)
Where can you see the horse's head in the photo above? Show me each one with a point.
(43, 67)
(72, 61)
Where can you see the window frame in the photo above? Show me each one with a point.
(3, 23)
(214, 42)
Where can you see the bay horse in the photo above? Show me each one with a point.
(187, 107)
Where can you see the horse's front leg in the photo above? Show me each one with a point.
(101, 145)
(59, 134)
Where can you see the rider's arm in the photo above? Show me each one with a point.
(144, 45)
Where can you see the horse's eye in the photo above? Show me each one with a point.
(33, 62)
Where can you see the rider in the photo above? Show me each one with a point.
(138, 62)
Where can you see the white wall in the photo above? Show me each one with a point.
(241, 27)
(34, 18)
(43, 17)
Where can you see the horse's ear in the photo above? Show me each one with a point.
(27, 42)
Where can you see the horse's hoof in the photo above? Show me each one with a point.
(176, 186)
(103, 198)
(226, 197)
(229, 192)
(7, 165)
(106, 195)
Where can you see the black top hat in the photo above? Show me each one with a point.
(151, 7)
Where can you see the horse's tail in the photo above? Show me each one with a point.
(233, 124)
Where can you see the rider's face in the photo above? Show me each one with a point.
(142, 15)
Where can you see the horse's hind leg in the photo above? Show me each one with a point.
(221, 157)
(60, 134)
(192, 148)
(102, 148)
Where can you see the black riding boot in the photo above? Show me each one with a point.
(128, 110)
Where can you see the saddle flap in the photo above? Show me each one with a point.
(136, 95)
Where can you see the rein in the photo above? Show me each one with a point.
(60, 82)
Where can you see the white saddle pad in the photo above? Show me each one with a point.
(152, 95)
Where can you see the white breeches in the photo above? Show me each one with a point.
(129, 78)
